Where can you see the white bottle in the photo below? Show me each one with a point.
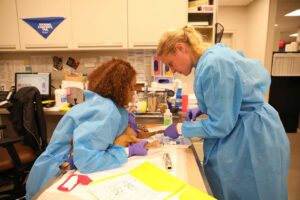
(60, 98)
(168, 117)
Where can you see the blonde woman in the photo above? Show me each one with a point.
(246, 150)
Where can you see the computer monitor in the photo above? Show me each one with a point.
(42, 81)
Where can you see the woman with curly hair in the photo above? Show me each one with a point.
(94, 126)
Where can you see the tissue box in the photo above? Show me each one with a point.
(73, 77)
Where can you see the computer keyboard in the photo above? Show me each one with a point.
(3, 95)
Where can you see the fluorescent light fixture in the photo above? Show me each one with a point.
(295, 13)
(294, 35)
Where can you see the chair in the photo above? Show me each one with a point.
(219, 32)
(18, 153)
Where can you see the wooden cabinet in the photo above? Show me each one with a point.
(30, 39)
(147, 20)
(203, 17)
(9, 33)
(99, 24)
(90, 24)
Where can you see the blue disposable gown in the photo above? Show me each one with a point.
(93, 125)
(246, 150)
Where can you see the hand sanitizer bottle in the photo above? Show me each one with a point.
(168, 117)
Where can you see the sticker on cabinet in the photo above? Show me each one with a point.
(44, 26)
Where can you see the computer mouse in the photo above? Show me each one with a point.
(49, 105)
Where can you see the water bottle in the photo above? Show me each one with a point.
(60, 98)
(168, 118)
(178, 100)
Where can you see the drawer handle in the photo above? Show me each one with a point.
(8, 47)
(144, 44)
(45, 46)
(87, 45)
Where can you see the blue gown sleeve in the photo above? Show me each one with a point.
(93, 144)
(221, 89)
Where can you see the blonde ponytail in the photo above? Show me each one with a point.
(186, 34)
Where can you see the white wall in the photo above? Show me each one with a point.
(249, 26)
(257, 24)
(234, 19)
(270, 34)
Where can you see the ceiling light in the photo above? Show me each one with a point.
(294, 35)
(275, 25)
(295, 13)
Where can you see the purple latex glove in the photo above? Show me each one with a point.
(138, 149)
(192, 114)
(171, 131)
(71, 161)
(132, 122)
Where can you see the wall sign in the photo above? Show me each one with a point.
(44, 26)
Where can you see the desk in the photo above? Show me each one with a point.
(193, 174)
(53, 117)
(186, 167)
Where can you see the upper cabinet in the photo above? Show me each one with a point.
(99, 24)
(147, 20)
(35, 25)
(9, 34)
(202, 15)
(59, 39)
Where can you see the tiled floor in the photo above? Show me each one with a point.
(294, 173)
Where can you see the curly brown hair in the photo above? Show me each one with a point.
(112, 80)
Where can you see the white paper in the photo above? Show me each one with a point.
(41, 63)
(103, 59)
(18, 66)
(125, 187)
(140, 60)
(7, 70)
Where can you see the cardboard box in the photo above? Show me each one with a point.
(74, 77)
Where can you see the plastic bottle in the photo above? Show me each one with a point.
(60, 98)
(168, 117)
(178, 100)
(84, 80)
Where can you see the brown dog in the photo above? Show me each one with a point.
(128, 137)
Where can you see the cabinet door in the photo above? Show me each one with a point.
(99, 24)
(30, 39)
(9, 35)
(147, 20)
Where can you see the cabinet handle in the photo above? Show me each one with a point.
(45, 46)
(144, 44)
(8, 47)
(89, 45)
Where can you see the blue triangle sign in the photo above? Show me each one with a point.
(44, 26)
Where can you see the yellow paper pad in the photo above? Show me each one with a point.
(152, 177)
(156, 178)
(192, 193)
